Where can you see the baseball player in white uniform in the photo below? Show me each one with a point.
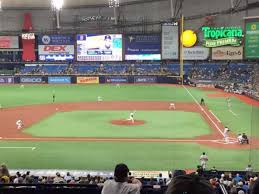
(19, 124)
(99, 99)
(131, 117)
(172, 106)
(229, 103)
(203, 160)
(225, 134)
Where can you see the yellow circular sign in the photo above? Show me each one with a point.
(253, 27)
(188, 38)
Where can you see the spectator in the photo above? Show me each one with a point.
(255, 187)
(120, 183)
(190, 184)
(58, 178)
(200, 170)
(4, 171)
(237, 178)
(68, 177)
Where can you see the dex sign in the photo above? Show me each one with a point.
(56, 47)
(222, 36)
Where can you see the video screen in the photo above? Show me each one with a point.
(92, 47)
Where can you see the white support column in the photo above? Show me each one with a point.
(58, 18)
(172, 8)
(115, 11)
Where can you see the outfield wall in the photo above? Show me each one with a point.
(82, 79)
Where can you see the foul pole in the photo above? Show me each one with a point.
(181, 49)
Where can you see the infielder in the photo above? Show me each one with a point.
(225, 134)
(172, 106)
(131, 117)
(19, 124)
(99, 99)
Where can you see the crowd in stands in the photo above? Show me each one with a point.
(199, 182)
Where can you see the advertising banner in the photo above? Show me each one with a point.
(196, 53)
(28, 45)
(170, 41)
(88, 80)
(116, 79)
(9, 42)
(6, 80)
(56, 47)
(59, 80)
(94, 47)
(34, 79)
(227, 53)
(222, 36)
(252, 39)
(149, 174)
(143, 47)
(145, 79)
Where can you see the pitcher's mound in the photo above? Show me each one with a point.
(127, 123)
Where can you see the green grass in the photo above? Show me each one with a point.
(246, 116)
(42, 94)
(159, 124)
(140, 156)
(105, 155)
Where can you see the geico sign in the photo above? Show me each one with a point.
(55, 48)
(31, 80)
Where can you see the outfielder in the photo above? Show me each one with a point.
(131, 117)
(172, 106)
(225, 134)
(19, 124)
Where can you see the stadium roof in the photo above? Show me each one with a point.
(13, 4)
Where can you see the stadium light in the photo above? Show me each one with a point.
(57, 4)
(114, 3)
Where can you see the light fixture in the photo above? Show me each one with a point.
(114, 3)
(0, 5)
(57, 4)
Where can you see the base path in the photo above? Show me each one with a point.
(35, 113)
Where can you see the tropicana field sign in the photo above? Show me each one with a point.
(221, 36)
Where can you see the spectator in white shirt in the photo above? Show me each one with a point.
(122, 184)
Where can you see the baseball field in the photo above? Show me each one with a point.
(79, 132)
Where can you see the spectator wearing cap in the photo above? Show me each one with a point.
(189, 184)
(120, 184)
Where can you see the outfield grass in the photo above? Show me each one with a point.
(104, 156)
(41, 94)
(159, 124)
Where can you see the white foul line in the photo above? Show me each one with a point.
(215, 116)
(233, 113)
(31, 148)
(204, 111)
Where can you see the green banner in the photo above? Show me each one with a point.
(252, 40)
(222, 42)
